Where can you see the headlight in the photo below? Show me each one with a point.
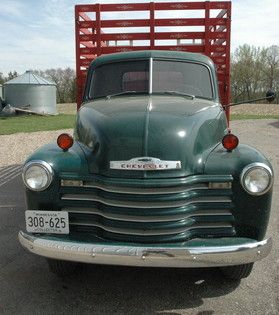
(256, 178)
(37, 175)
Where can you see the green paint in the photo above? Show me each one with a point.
(167, 127)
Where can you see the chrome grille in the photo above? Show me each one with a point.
(143, 204)
(150, 210)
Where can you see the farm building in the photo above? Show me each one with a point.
(32, 92)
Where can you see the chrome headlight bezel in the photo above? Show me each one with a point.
(252, 167)
(45, 167)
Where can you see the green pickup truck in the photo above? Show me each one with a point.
(152, 177)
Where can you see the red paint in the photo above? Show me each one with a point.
(92, 39)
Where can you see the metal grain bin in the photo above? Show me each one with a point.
(31, 91)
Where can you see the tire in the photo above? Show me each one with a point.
(237, 272)
(62, 268)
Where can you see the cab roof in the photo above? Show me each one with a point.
(156, 54)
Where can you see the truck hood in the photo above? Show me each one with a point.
(166, 128)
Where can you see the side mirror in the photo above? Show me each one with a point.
(270, 96)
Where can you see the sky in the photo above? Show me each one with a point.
(39, 34)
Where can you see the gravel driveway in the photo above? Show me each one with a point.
(16, 148)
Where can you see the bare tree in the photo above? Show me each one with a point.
(272, 67)
(2, 78)
(65, 83)
(12, 75)
(254, 70)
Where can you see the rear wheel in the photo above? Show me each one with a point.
(62, 268)
(237, 272)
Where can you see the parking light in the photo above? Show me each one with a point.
(230, 142)
(65, 141)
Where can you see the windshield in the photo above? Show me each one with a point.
(170, 77)
(184, 77)
(118, 78)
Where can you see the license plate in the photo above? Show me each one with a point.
(56, 222)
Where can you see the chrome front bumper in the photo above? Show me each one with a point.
(147, 256)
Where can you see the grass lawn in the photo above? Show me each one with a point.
(30, 123)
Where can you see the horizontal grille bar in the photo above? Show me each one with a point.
(147, 191)
(149, 210)
(128, 231)
(150, 186)
(134, 190)
(144, 218)
(144, 204)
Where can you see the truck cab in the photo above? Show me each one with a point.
(152, 177)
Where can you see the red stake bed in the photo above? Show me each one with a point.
(202, 27)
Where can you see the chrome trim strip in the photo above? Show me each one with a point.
(145, 204)
(219, 185)
(148, 191)
(161, 218)
(147, 256)
(71, 183)
(150, 76)
(155, 232)
(151, 182)
(140, 191)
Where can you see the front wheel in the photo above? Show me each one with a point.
(62, 268)
(237, 272)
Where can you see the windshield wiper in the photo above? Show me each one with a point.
(122, 93)
(164, 92)
(179, 94)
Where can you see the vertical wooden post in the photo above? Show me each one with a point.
(227, 84)
(207, 29)
(79, 88)
(152, 25)
(98, 29)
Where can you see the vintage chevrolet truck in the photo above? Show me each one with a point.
(152, 177)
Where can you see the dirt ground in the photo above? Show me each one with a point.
(256, 109)
(67, 108)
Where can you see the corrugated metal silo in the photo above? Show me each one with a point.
(33, 91)
(1, 91)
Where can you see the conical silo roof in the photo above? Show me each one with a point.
(29, 78)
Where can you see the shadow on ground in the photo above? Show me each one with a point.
(275, 124)
(27, 287)
(124, 290)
